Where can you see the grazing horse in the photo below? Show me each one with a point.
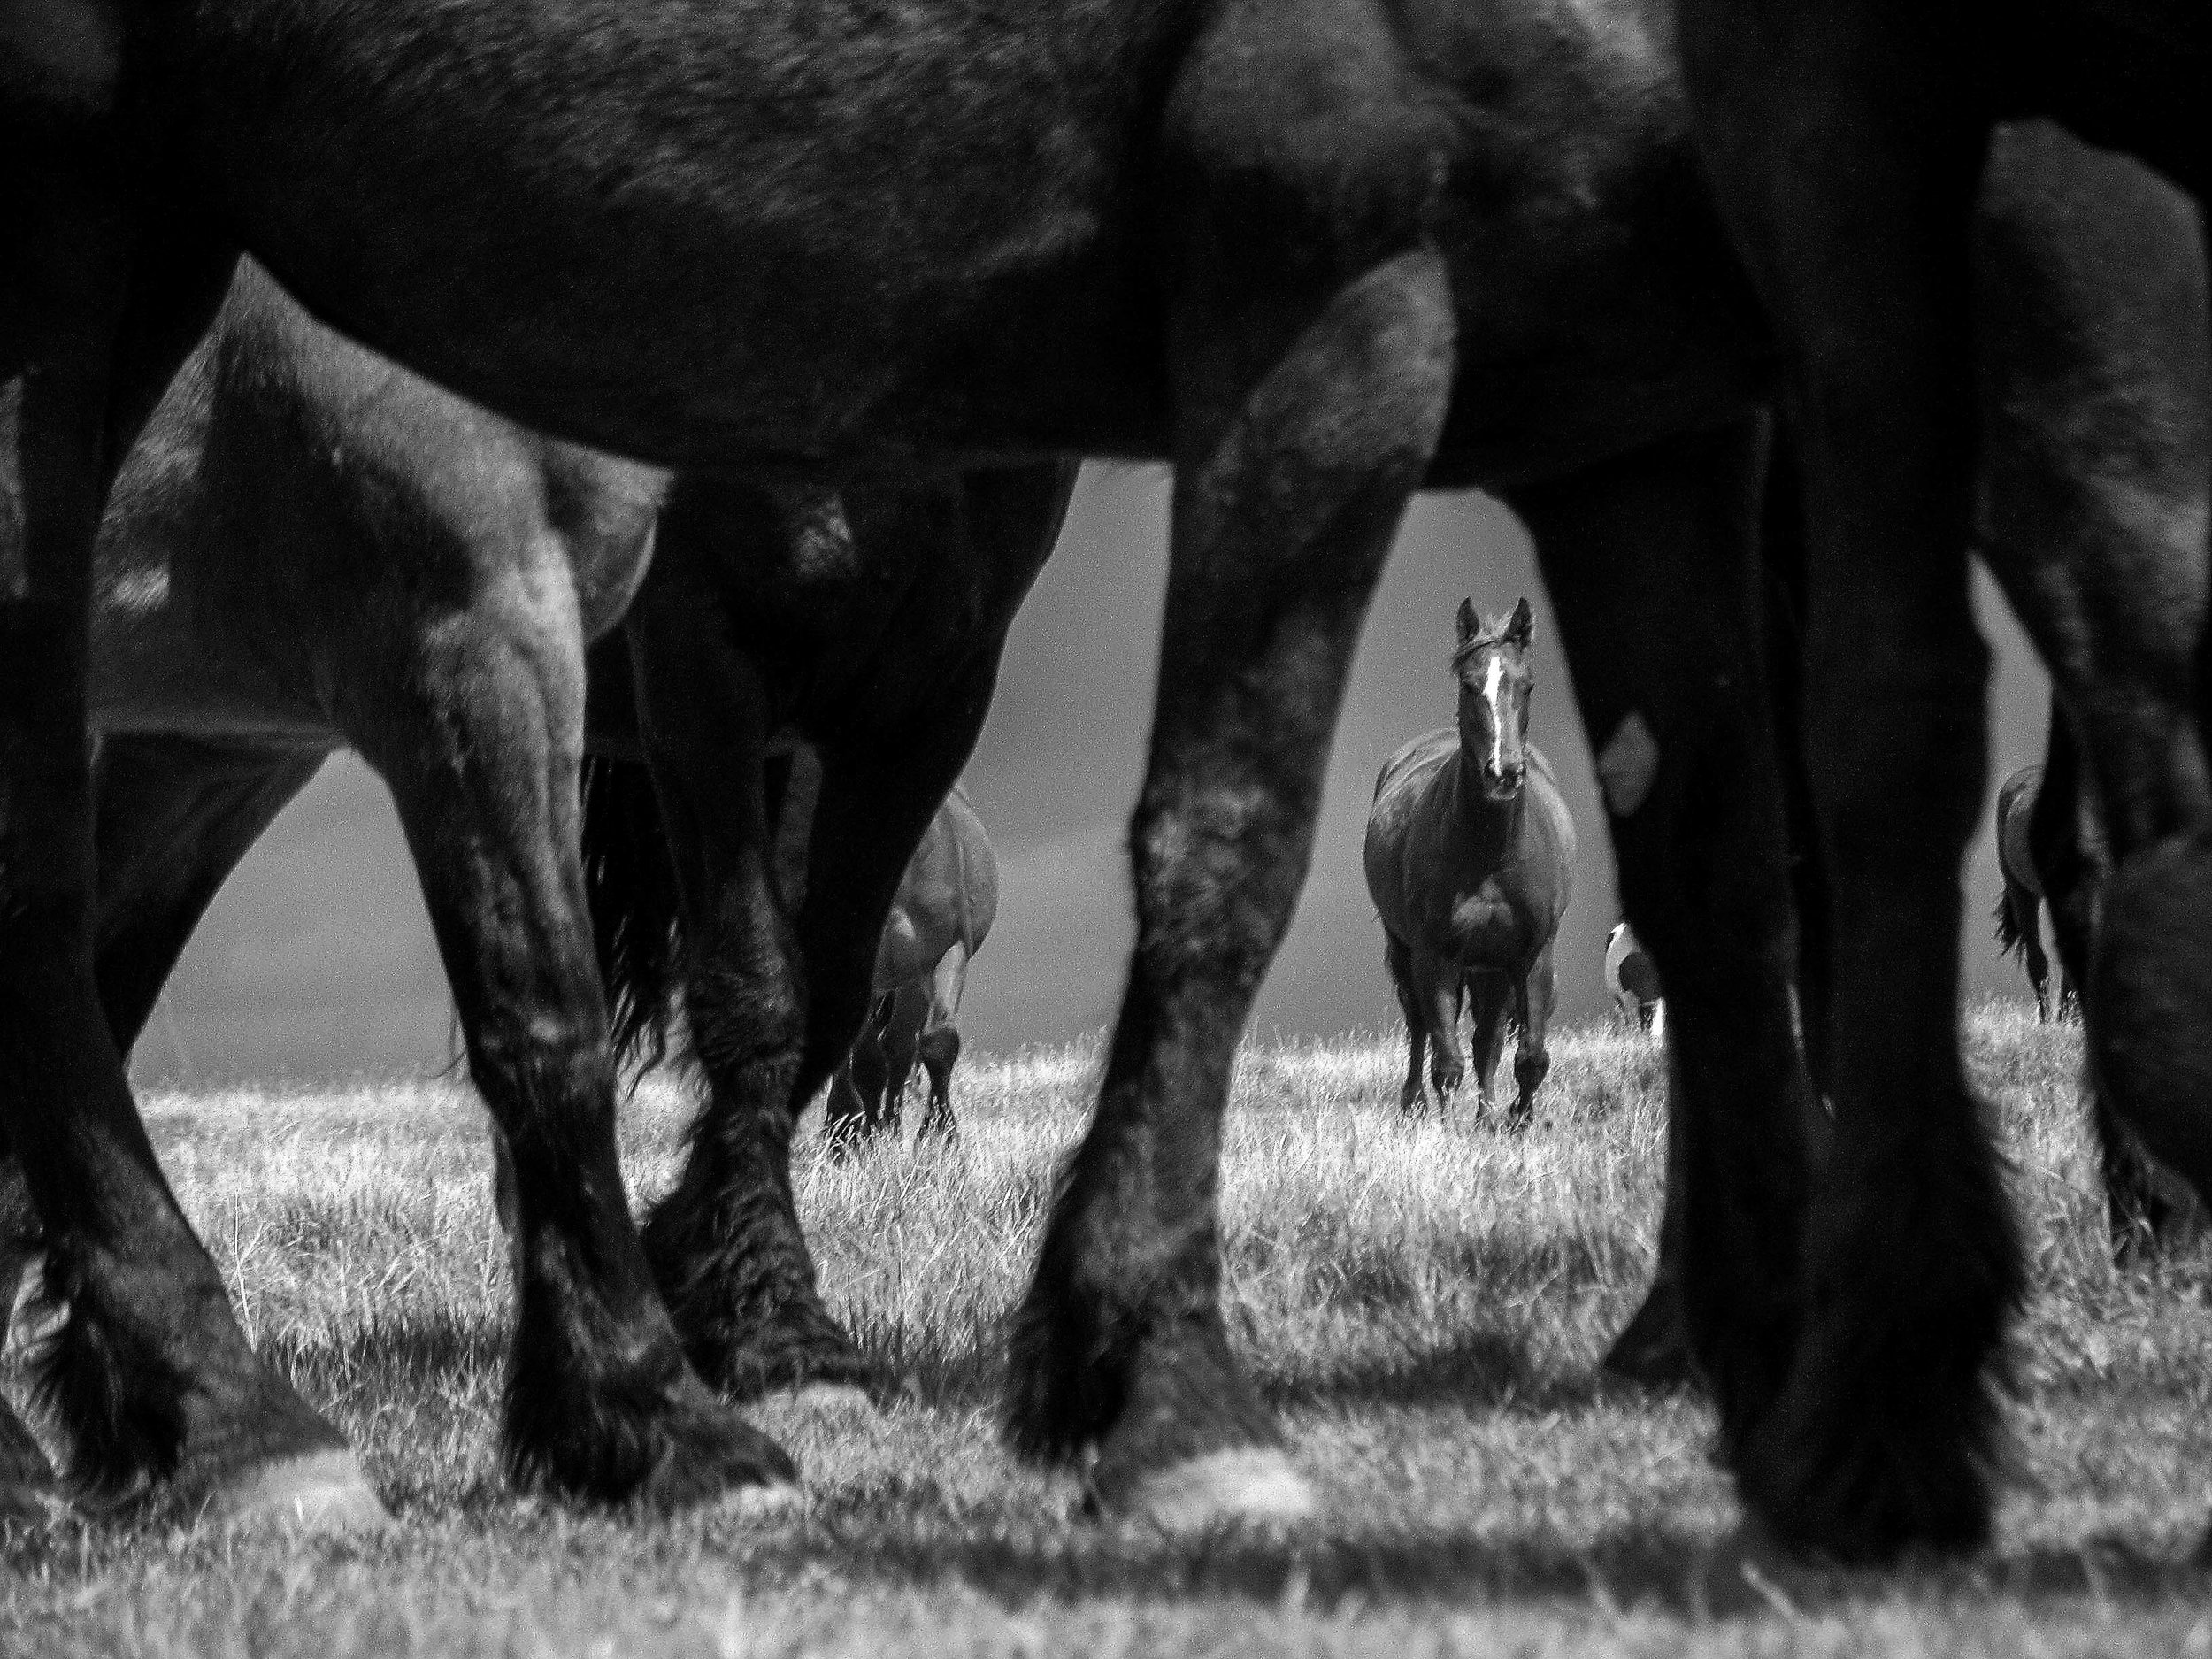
(946, 905)
(1847, 142)
(1470, 860)
(311, 548)
(1633, 979)
(2020, 906)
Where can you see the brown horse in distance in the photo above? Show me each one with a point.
(1470, 860)
(946, 905)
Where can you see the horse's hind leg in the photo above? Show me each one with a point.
(898, 1055)
(939, 1045)
(1298, 444)
(174, 815)
(1535, 997)
(475, 721)
(725, 1241)
(853, 1112)
(1400, 959)
(1649, 559)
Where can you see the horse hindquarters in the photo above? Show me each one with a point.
(474, 719)
(1650, 557)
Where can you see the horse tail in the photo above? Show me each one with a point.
(2009, 938)
(630, 886)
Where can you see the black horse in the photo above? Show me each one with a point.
(1846, 142)
(913, 240)
(311, 548)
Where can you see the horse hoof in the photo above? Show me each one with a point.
(322, 1494)
(1248, 1486)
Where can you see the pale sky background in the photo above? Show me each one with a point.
(317, 960)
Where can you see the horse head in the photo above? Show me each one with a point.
(1491, 664)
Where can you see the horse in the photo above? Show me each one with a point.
(947, 901)
(1632, 981)
(895, 245)
(909, 243)
(1847, 144)
(310, 548)
(1470, 859)
(2020, 906)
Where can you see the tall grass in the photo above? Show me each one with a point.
(1424, 1298)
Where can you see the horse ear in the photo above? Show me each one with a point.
(1470, 624)
(1522, 627)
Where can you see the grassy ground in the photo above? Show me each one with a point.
(1424, 1300)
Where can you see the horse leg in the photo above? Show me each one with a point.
(1535, 997)
(1400, 960)
(1296, 456)
(2137, 1212)
(854, 1110)
(938, 1044)
(475, 721)
(155, 1387)
(1485, 994)
(1442, 995)
(174, 816)
(2093, 521)
(1676, 700)
(898, 1055)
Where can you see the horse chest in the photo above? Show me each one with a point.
(1483, 926)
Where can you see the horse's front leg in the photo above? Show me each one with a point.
(1535, 993)
(1844, 148)
(1300, 442)
(1441, 990)
(157, 1391)
(1650, 561)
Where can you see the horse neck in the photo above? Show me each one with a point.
(1484, 820)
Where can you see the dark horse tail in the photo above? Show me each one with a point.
(2007, 928)
(630, 885)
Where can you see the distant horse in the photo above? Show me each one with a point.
(2020, 906)
(946, 905)
(1633, 979)
(1470, 860)
(311, 548)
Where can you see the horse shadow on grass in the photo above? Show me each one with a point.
(1647, 1569)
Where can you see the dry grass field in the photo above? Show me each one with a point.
(1424, 1302)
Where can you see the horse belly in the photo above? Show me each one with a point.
(783, 233)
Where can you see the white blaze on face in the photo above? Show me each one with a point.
(1493, 688)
